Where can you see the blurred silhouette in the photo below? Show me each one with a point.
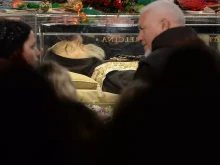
(59, 78)
(39, 128)
(175, 118)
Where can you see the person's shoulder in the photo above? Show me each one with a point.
(157, 55)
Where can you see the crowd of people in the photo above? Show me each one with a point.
(166, 114)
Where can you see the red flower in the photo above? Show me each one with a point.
(106, 2)
(191, 4)
(100, 9)
(132, 11)
(90, 1)
(118, 4)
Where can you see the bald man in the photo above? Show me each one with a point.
(162, 28)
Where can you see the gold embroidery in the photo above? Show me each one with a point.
(101, 71)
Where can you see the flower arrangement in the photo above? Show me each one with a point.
(113, 6)
(45, 6)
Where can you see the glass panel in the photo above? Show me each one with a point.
(212, 40)
(209, 34)
(115, 40)
(107, 31)
(28, 18)
(207, 25)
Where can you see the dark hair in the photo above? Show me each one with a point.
(13, 35)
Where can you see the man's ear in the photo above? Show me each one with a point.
(165, 24)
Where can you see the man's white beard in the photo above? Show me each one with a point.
(147, 52)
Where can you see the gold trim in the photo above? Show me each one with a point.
(101, 71)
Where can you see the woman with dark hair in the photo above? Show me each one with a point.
(17, 42)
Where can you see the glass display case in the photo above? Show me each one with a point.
(104, 37)
(207, 25)
(115, 34)
(29, 18)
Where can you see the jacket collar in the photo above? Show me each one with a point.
(172, 37)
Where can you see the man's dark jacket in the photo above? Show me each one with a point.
(151, 67)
